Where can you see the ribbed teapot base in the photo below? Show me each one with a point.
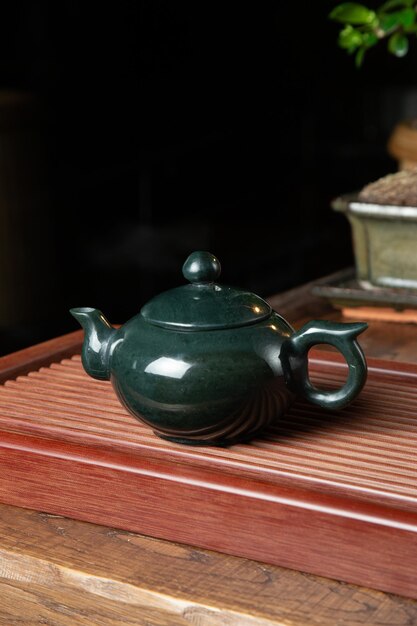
(241, 426)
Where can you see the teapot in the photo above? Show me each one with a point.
(208, 364)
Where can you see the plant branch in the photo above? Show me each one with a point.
(363, 28)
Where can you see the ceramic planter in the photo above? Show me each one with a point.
(384, 242)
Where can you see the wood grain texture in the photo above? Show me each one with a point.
(30, 604)
(59, 571)
(333, 494)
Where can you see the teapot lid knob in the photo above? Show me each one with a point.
(201, 267)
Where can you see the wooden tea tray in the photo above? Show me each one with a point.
(331, 493)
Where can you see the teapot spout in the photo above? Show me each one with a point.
(98, 338)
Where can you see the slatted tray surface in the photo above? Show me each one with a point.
(344, 481)
(370, 447)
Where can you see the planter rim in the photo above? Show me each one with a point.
(350, 204)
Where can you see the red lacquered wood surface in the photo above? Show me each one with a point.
(41, 354)
(328, 493)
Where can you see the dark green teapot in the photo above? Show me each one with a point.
(210, 364)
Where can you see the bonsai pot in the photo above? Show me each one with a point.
(384, 240)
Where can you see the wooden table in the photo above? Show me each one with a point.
(58, 571)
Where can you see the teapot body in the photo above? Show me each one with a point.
(209, 387)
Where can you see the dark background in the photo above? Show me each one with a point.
(133, 133)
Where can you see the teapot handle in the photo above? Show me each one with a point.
(294, 359)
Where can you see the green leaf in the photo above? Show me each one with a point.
(352, 13)
(369, 39)
(359, 57)
(398, 44)
(394, 4)
(387, 22)
(350, 38)
(405, 18)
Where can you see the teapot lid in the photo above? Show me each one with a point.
(203, 304)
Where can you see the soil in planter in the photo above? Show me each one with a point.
(399, 189)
